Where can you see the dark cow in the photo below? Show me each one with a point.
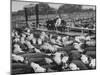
(51, 24)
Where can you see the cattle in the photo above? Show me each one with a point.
(48, 60)
(17, 49)
(50, 24)
(57, 58)
(93, 63)
(91, 43)
(37, 68)
(74, 55)
(78, 47)
(85, 59)
(73, 67)
(17, 58)
(49, 52)
(80, 64)
(91, 54)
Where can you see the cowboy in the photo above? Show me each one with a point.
(58, 21)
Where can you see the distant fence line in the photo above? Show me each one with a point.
(67, 28)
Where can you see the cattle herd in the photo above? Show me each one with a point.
(36, 51)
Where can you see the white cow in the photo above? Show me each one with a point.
(17, 49)
(84, 59)
(17, 39)
(92, 63)
(34, 40)
(78, 47)
(30, 46)
(65, 59)
(22, 40)
(43, 36)
(73, 66)
(37, 50)
(30, 37)
(58, 41)
(80, 38)
(53, 41)
(65, 38)
(57, 58)
(12, 34)
(91, 43)
(49, 47)
(48, 60)
(39, 41)
(37, 67)
(17, 58)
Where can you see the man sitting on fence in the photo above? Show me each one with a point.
(58, 21)
(60, 24)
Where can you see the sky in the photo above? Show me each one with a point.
(19, 5)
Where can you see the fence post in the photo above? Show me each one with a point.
(26, 17)
(37, 14)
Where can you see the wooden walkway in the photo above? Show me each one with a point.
(67, 32)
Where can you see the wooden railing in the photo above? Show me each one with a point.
(67, 30)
